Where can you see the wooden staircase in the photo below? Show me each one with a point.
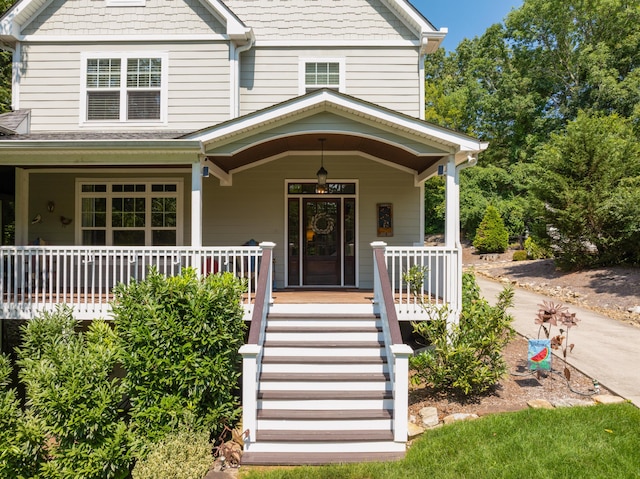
(324, 393)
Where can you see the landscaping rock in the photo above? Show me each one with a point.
(634, 310)
(429, 416)
(607, 399)
(539, 404)
(570, 402)
(414, 430)
(459, 417)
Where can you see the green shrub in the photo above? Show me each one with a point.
(72, 399)
(466, 357)
(535, 250)
(491, 235)
(183, 454)
(519, 255)
(180, 338)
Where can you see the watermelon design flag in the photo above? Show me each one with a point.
(539, 354)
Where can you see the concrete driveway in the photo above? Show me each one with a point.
(605, 349)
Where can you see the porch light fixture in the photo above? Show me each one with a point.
(321, 187)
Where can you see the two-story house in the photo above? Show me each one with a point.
(182, 133)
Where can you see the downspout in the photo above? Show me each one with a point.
(235, 52)
(421, 75)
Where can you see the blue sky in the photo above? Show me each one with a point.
(464, 18)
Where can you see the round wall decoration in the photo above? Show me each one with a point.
(322, 224)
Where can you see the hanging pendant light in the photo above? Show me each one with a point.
(321, 187)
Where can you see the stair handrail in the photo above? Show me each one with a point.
(397, 352)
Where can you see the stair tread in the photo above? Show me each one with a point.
(324, 359)
(316, 458)
(334, 377)
(324, 329)
(323, 344)
(341, 414)
(324, 435)
(320, 395)
(322, 316)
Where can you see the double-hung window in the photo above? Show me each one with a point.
(321, 73)
(130, 213)
(125, 87)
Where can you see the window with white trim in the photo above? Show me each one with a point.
(321, 73)
(124, 88)
(130, 213)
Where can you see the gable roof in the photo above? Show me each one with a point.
(25, 10)
(355, 125)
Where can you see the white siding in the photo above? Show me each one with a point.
(93, 17)
(254, 207)
(384, 76)
(321, 19)
(198, 84)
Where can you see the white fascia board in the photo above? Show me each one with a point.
(100, 145)
(120, 38)
(336, 43)
(236, 30)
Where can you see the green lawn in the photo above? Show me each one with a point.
(579, 442)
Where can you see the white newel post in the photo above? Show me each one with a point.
(401, 353)
(250, 353)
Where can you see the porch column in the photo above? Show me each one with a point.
(452, 205)
(196, 205)
(22, 207)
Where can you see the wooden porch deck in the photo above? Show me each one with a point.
(325, 296)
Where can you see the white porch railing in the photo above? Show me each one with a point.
(441, 287)
(36, 278)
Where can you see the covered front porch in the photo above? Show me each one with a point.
(37, 278)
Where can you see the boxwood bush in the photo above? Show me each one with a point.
(179, 339)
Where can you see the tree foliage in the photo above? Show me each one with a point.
(589, 182)
(491, 236)
(523, 82)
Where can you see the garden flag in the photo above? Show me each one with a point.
(540, 354)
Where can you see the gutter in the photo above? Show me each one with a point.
(235, 52)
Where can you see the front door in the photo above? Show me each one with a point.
(321, 235)
(321, 243)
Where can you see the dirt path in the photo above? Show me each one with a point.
(614, 292)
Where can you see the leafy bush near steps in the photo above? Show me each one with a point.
(72, 424)
(183, 454)
(466, 357)
(491, 236)
(180, 338)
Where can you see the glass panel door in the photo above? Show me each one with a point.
(321, 242)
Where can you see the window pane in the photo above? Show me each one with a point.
(164, 237)
(128, 238)
(94, 237)
(94, 212)
(144, 73)
(102, 105)
(322, 74)
(143, 105)
(103, 73)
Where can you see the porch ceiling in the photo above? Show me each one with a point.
(334, 142)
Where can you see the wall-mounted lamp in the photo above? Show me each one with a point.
(321, 187)
(51, 206)
(205, 172)
(441, 170)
